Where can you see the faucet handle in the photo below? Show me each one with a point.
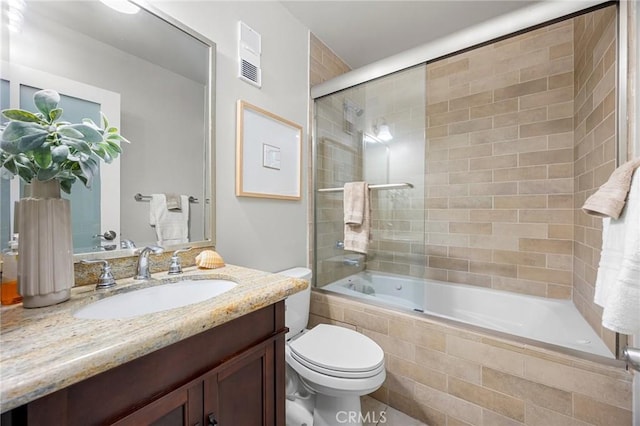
(106, 279)
(176, 267)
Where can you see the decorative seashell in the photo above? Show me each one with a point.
(209, 259)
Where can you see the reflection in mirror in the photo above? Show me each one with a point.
(153, 79)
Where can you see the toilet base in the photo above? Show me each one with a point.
(337, 411)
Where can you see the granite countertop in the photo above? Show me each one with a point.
(47, 349)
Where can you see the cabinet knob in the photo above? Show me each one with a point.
(212, 420)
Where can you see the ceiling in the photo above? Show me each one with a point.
(362, 32)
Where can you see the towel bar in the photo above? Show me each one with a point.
(379, 186)
(140, 197)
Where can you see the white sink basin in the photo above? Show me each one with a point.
(158, 298)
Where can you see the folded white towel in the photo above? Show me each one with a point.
(357, 217)
(618, 280)
(172, 227)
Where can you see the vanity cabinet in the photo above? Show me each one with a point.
(233, 374)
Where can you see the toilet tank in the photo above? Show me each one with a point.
(297, 305)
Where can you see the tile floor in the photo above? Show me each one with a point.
(380, 414)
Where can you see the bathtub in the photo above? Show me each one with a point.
(552, 321)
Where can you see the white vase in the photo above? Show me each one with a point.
(45, 253)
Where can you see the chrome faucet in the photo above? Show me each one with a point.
(142, 268)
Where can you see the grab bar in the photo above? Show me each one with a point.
(140, 197)
(378, 186)
(632, 356)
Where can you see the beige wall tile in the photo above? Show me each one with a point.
(554, 96)
(474, 100)
(546, 246)
(418, 373)
(576, 380)
(545, 157)
(520, 89)
(495, 419)
(495, 162)
(538, 143)
(598, 413)
(517, 387)
(367, 321)
(520, 117)
(449, 404)
(448, 263)
(539, 416)
(520, 202)
(484, 397)
(533, 288)
(494, 215)
(481, 353)
(519, 258)
(557, 216)
(495, 108)
(449, 365)
(546, 127)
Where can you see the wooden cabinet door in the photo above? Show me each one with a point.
(181, 407)
(242, 391)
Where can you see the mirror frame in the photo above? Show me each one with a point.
(209, 143)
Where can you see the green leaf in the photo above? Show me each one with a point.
(18, 129)
(116, 138)
(46, 101)
(21, 115)
(114, 147)
(9, 146)
(59, 153)
(10, 165)
(89, 169)
(43, 157)
(70, 132)
(105, 122)
(65, 185)
(31, 142)
(89, 134)
(55, 114)
(77, 144)
(47, 174)
(89, 122)
(101, 152)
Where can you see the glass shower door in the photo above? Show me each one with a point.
(374, 132)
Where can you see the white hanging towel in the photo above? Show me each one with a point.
(618, 281)
(357, 217)
(172, 227)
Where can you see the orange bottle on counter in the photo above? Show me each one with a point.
(9, 287)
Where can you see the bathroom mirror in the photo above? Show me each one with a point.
(154, 80)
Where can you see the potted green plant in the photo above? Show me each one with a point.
(50, 155)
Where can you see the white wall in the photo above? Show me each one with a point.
(257, 233)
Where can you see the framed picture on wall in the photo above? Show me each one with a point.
(268, 154)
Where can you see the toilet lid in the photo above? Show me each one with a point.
(338, 349)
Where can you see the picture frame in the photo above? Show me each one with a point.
(268, 154)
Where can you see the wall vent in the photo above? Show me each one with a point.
(249, 52)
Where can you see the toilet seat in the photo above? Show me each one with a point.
(338, 352)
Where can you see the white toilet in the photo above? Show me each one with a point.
(328, 367)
